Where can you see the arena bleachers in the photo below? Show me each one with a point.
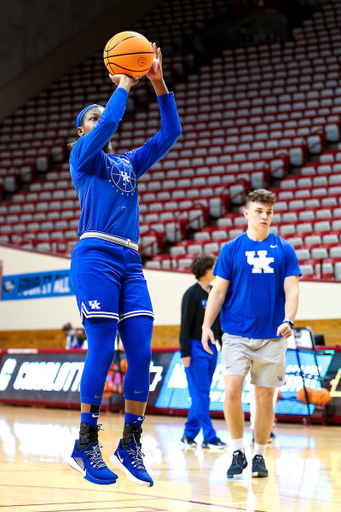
(34, 139)
(251, 116)
(266, 105)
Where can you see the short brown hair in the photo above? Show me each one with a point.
(201, 264)
(261, 196)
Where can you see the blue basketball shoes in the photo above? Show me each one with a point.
(129, 458)
(87, 457)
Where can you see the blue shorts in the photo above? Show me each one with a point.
(108, 281)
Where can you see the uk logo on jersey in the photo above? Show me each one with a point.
(261, 264)
(123, 178)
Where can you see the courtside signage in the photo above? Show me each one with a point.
(55, 377)
(45, 377)
(56, 283)
(174, 391)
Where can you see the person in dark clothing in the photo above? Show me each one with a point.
(69, 332)
(199, 365)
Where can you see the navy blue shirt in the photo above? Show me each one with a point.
(106, 184)
(254, 305)
(193, 307)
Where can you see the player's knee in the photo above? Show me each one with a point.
(232, 394)
(143, 360)
(105, 357)
(265, 400)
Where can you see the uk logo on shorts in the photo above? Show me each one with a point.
(260, 264)
(94, 304)
(123, 178)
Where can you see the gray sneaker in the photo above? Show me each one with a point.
(258, 467)
(189, 441)
(239, 463)
(217, 443)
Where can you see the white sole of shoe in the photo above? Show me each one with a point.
(213, 447)
(238, 476)
(114, 460)
(75, 466)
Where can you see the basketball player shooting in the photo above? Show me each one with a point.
(107, 272)
(256, 288)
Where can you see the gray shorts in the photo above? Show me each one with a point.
(265, 359)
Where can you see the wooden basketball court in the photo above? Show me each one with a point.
(304, 467)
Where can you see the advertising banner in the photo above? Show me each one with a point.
(174, 391)
(39, 285)
(54, 377)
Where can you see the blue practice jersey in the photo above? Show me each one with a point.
(107, 185)
(255, 300)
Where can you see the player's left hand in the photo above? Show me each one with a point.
(155, 72)
(284, 330)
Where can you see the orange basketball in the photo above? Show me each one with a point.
(128, 53)
(123, 366)
(319, 397)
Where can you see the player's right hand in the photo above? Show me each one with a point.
(186, 361)
(207, 335)
(119, 80)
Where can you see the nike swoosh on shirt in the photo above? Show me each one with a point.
(273, 246)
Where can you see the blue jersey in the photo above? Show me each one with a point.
(107, 185)
(255, 300)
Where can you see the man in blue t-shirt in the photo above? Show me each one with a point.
(256, 288)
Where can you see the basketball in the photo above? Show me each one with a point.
(319, 397)
(128, 53)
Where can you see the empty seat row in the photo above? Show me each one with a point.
(304, 193)
(318, 181)
(37, 223)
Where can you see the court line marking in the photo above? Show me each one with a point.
(140, 507)
(225, 507)
(70, 503)
(136, 507)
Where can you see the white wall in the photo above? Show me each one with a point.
(317, 300)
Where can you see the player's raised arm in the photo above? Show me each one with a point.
(214, 303)
(96, 124)
(158, 146)
(155, 73)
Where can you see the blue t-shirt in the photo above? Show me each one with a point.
(254, 305)
(106, 184)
